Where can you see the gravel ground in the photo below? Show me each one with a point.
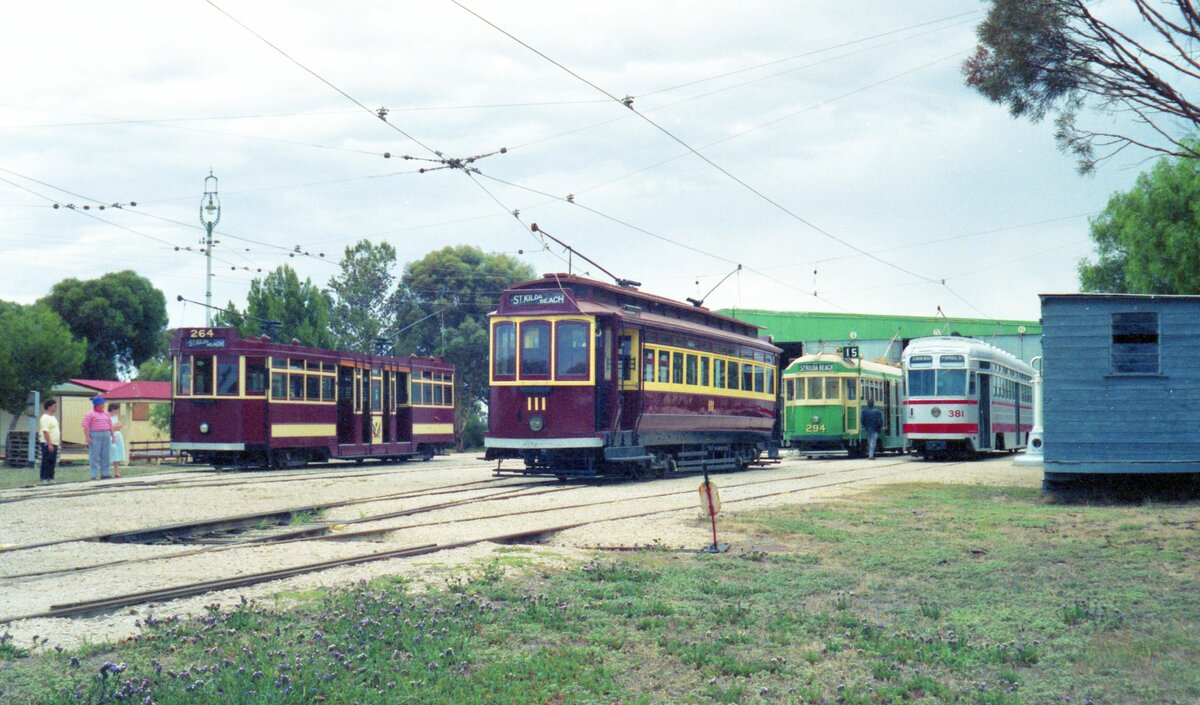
(64, 512)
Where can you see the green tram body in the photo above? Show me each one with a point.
(823, 398)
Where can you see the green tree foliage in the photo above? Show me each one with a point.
(359, 295)
(1066, 57)
(37, 351)
(157, 368)
(299, 307)
(1148, 239)
(440, 307)
(120, 315)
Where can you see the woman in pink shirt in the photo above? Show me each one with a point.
(98, 432)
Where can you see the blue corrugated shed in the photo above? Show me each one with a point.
(1121, 384)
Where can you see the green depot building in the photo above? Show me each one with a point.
(880, 337)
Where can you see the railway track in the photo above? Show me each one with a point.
(91, 489)
(175, 592)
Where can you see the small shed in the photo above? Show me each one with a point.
(75, 400)
(136, 399)
(1121, 384)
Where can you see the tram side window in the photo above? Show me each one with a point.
(296, 387)
(183, 377)
(831, 388)
(278, 385)
(704, 362)
(747, 377)
(677, 368)
(327, 388)
(951, 382)
(256, 376)
(572, 344)
(202, 376)
(664, 366)
(731, 369)
(313, 387)
(648, 365)
(227, 376)
(690, 371)
(815, 386)
(535, 349)
(760, 379)
(504, 356)
(377, 394)
(920, 383)
(771, 381)
(401, 388)
(719, 374)
(789, 389)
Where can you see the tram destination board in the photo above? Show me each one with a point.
(538, 298)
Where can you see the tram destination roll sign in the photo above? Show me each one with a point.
(537, 298)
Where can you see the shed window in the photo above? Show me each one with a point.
(1135, 343)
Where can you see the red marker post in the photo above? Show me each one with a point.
(710, 502)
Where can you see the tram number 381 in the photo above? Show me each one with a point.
(956, 413)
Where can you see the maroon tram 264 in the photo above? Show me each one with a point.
(250, 402)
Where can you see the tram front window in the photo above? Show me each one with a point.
(921, 383)
(951, 383)
(202, 376)
(572, 349)
(535, 349)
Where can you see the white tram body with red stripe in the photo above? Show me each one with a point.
(964, 396)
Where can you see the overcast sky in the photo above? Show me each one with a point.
(851, 117)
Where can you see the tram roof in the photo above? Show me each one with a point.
(805, 326)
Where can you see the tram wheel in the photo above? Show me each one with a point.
(671, 467)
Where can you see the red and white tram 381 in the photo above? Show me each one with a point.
(965, 396)
(250, 402)
(592, 379)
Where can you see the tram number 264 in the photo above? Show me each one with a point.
(201, 333)
(814, 428)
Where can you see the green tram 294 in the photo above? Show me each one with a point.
(823, 398)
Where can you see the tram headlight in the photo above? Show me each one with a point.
(536, 423)
(204, 427)
(816, 419)
(935, 412)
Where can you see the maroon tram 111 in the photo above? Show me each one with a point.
(592, 379)
(250, 402)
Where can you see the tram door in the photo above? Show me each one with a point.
(345, 405)
(850, 409)
(604, 376)
(629, 351)
(985, 411)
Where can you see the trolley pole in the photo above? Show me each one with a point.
(210, 215)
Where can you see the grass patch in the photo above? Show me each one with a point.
(985, 596)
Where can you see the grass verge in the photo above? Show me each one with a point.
(913, 594)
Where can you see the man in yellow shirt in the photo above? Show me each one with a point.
(48, 436)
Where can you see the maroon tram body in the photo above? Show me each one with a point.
(591, 379)
(249, 402)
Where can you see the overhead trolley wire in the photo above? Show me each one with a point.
(627, 101)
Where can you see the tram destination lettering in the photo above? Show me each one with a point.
(538, 298)
(203, 343)
(823, 367)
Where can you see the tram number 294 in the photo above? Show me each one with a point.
(814, 428)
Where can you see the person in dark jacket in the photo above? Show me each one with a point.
(872, 423)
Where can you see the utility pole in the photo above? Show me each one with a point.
(210, 215)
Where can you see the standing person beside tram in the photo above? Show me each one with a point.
(872, 423)
(99, 434)
(49, 438)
